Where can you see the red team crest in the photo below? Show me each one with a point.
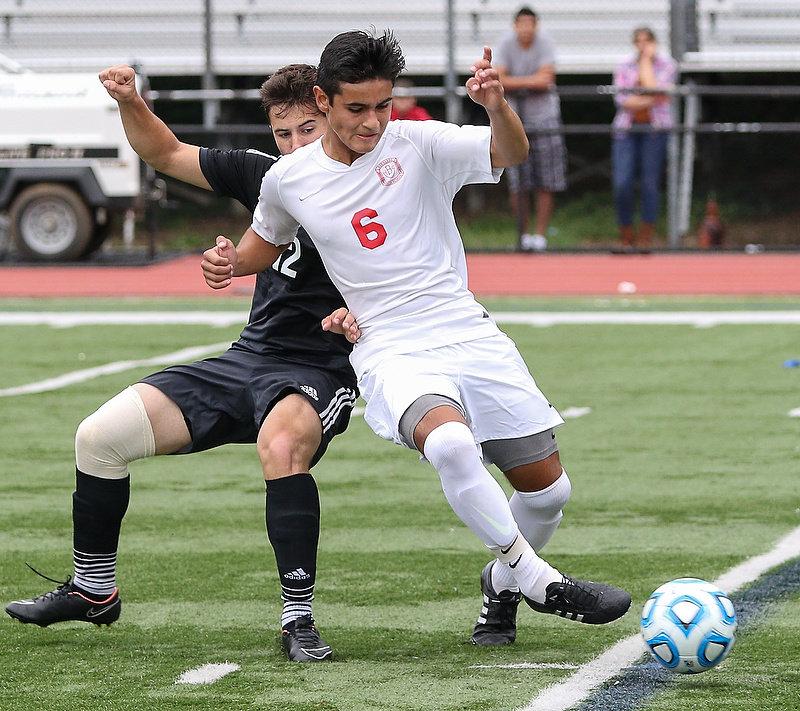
(389, 171)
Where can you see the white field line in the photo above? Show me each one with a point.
(701, 319)
(795, 412)
(207, 674)
(568, 413)
(120, 366)
(570, 692)
(68, 319)
(525, 665)
(571, 413)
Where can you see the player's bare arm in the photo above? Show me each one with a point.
(542, 80)
(509, 142)
(148, 135)
(344, 323)
(225, 260)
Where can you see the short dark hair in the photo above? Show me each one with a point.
(355, 57)
(289, 87)
(644, 30)
(525, 11)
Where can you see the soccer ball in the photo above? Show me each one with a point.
(688, 625)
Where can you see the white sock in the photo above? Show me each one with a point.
(473, 494)
(531, 574)
(537, 514)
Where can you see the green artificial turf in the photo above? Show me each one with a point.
(686, 465)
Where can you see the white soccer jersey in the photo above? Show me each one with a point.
(385, 230)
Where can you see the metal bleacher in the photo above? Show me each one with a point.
(748, 35)
(166, 37)
(256, 36)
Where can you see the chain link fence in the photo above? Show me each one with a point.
(736, 126)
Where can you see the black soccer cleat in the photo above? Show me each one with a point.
(497, 623)
(302, 643)
(583, 601)
(64, 604)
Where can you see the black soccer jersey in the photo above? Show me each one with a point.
(295, 293)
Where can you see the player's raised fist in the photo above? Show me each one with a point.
(218, 263)
(120, 82)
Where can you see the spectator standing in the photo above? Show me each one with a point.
(404, 107)
(641, 131)
(525, 61)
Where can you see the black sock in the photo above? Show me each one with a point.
(292, 513)
(98, 506)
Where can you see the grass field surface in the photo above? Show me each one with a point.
(687, 464)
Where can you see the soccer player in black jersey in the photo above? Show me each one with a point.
(285, 384)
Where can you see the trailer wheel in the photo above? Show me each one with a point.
(50, 222)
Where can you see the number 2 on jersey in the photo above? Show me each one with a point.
(283, 264)
(364, 230)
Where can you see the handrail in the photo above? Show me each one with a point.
(587, 91)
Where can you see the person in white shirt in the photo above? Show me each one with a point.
(437, 374)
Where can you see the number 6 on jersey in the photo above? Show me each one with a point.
(365, 229)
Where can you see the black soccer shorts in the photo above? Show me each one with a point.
(224, 400)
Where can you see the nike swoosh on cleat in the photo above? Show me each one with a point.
(516, 562)
(95, 612)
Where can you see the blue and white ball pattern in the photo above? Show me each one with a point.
(689, 625)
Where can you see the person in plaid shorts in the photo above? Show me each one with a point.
(525, 60)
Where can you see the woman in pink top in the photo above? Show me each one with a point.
(642, 125)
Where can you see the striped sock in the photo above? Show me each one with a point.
(292, 516)
(95, 573)
(296, 601)
(98, 506)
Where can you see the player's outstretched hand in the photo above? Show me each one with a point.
(484, 86)
(120, 82)
(343, 322)
(219, 262)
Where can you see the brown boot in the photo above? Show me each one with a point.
(647, 231)
(626, 237)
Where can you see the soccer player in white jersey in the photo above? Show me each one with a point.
(436, 372)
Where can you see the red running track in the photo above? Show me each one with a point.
(490, 275)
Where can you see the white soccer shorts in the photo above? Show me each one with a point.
(487, 377)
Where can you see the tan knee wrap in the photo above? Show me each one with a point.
(119, 432)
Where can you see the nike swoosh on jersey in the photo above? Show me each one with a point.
(302, 198)
(503, 530)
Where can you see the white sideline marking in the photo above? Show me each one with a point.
(120, 366)
(526, 665)
(68, 319)
(701, 319)
(207, 674)
(566, 694)
(795, 412)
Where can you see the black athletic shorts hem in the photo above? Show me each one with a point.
(225, 400)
